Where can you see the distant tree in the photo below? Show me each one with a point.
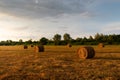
(105, 38)
(57, 39)
(78, 39)
(99, 37)
(43, 41)
(2, 42)
(90, 38)
(9, 41)
(110, 38)
(20, 40)
(85, 39)
(67, 38)
(117, 38)
(50, 42)
(28, 42)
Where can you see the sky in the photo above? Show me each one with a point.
(34, 19)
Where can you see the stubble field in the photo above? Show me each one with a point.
(58, 63)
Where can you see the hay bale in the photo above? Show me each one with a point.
(69, 45)
(25, 47)
(101, 45)
(39, 48)
(86, 52)
(32, 45)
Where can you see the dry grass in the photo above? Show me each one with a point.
(58, 63)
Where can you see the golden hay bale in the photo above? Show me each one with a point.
(86, 52)
(25, 47)
(69, 45)
(101, 45)
(39, 48)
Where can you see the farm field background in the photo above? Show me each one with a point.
(59, 63)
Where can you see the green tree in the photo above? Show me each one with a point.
(43, 41)
(99, 37)
(67, 38)
(9, 41)
(90, 38)
(57, 39)
(78, 39)
(28, 42)
(85, 39)
(20, 41)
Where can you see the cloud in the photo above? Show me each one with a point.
(112, 28)
(20, 28)
(44, 8)
(13, 23)
(38, 18)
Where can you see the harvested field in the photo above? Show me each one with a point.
(58, 63)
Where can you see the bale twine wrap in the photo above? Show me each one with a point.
(39, 48)
(25, 46)
(69, 45)
(101, 45)
(86, 52)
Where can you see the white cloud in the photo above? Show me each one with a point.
(111, 28)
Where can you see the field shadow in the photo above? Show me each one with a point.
(108, 58)
(23, 77)
(108, 52)
(59, 51)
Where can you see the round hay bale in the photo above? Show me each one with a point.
(101, 45)
(39, 48)
(69, 45)
(86, 52)
(32, 45)
(25, 47)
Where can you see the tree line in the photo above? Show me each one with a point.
(113, 39)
